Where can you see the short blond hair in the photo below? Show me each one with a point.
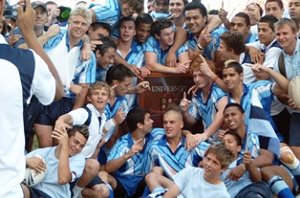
(99, 85)
(82, 12)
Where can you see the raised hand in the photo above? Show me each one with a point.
(204, 38)
(205, 68)
(184, 103)
(25, 18)
(136, 148)
(61, 136)
(119, 116)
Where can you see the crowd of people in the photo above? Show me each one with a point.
(72, 78)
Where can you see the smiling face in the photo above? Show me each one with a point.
(126, 10)
(176, 8)
(78, 26)
(76, 144)
(161, 6)
(195, 21)
(99, 98)
(41, 17)
(143, 31)
(285, 36)
(107, 59)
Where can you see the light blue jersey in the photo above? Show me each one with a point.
(120, 103)
(256, 102)
(152, 45)
(160, 154)
(234, 187)
(212, 47)
(109, 13)
(134, 57)
(206, 109)
(50, 183)
(133, 170)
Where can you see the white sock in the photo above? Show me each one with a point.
(77, 191)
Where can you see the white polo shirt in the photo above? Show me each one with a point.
(14, 67)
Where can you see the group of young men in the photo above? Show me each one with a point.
(76, 89)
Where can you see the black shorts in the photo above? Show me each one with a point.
(120, 192)
(50, 113)
(95, 181)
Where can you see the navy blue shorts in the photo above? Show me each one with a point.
(295, 130)
(93, 182)
(35, 193)
(50, 113)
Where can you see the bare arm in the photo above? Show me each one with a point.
(52, 31)
(264, 159)
(213, 22)
(218, 119)
(282, 84)
(172, 192)
(64, 122)
(81, 98)
(26, 22)
(115, 164)
(184, 106)
(180, 39)
(133, 68)
(254, 173)
(64, 172)
(153, 65)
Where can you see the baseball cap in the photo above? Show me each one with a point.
(40, 4)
